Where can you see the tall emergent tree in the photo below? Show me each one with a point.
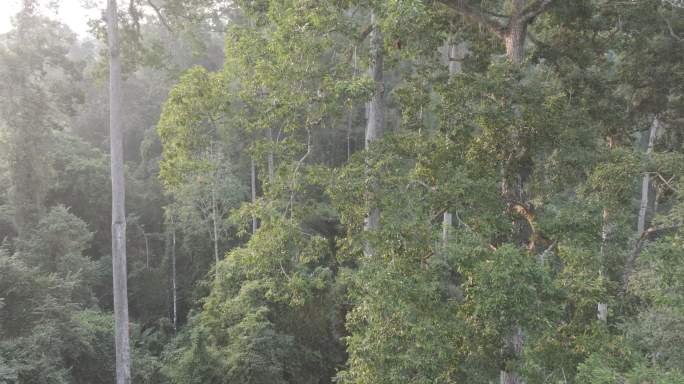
(376, 113)
(123, 359)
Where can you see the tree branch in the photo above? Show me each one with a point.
(364, 33)
(535, 9)
(638, 247)
(667, 183)
(161, 17)
(475, 14)
(669, 27)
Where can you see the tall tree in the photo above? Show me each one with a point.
(123, 354)
(376, 109)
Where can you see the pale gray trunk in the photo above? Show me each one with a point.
(350, 116)
(376, 108)
(455, 54)
(270, 155)
(253, 177)
(646, 180)
(643, 210)
(123, 360)
(147, 251)
(376, 112)
(215, 160)
(349, 130)
(447, 222)
(174, 294)
(602, 311)
(602, 308)
(515, 344)
(213, 220)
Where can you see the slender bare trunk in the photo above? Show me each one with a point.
(349, 130)
(515, 344)
(350, 116)
(447, 222)
(147, 251)
(376, 106)
(253, 177)
(123, 360)
(601, 307)
(646, 180)
(455, 53)
(174, 289)
(376, 110)
(270, 155)
(643, 211)
(213, 221)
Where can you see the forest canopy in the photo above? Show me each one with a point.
(356, 192)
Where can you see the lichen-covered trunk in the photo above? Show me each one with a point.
(376, 112)
(120, 288)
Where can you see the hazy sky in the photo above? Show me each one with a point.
(71, 12)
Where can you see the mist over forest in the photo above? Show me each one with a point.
(353, 192)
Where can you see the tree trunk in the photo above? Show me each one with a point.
(213, 220)
(376, 106)
(643, 211)
(455, 54)
(376, 111)
(270, 155)
(514, 39)
(255, 225)
(515, 345)
(602, 308)
(350, 116)
(147, 251)
(646, 180)
(447, 222)
(123, 360)
(174, 294)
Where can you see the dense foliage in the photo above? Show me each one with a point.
(528, 185)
